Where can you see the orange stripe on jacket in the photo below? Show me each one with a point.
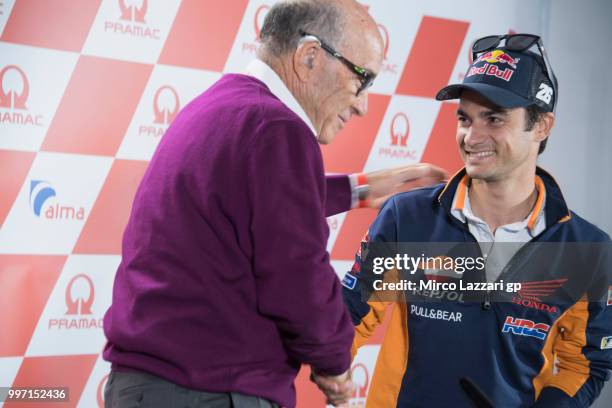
(563, 348)
(392, 361)
(537, 208)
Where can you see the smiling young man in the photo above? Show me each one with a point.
(548, 345)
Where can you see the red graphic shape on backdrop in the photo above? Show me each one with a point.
(104, 228)
(97, 107)
(203, 34)
(56, 371)
(441, 148)
(79, 305)
(10, 98)
(26, 283)
(57, 24)
(163, 115)
(16, 166)
(133, 13)
(355, 225)
(433, 56)
(349, 151)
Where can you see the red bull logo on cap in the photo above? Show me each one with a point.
(498, 57)
(493, 60)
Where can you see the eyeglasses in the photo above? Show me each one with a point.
(366, 77)
(516, 42)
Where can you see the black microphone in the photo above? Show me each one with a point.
(478, 398)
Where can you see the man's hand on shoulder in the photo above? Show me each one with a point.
(385, 183)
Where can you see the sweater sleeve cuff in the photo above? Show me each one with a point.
(339, 366)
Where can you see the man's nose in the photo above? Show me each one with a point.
(474, 135)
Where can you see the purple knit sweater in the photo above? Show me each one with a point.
(225, 283)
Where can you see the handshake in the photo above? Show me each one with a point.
(337, 389)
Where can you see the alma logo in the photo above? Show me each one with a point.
(80, 295)
(399, 131)
(132, 21)
(258, 20)
(14, 93)
(100, 391)
(40, 192)
(166, 106)
(361, 378)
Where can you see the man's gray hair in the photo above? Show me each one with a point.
(280, 33)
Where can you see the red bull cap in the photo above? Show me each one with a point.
(509, 79)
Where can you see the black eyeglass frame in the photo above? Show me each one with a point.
(366, 77)
(492, 41)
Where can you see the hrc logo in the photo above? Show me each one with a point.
(524, 327)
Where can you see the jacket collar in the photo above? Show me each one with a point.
(555, 206)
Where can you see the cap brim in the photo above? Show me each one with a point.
(498, 96)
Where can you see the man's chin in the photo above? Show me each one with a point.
(327, 136)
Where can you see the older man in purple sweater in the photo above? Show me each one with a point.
(225, 286)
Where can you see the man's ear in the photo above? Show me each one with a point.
(544, 126)
(305, 59)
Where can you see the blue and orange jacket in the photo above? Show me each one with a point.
(520, 353)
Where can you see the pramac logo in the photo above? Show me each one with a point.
(361, 377)
(258, 20)
(78, 304)
(132, 21)
(79, 297)
(14, 93)
(260, 16)
(133, 13)
(164, 114)
(399, 131)
(385, 36)
(387, 65)
(100, 391)
(166, 105)
(13, 98)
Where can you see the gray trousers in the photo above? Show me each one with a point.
(143, 390)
